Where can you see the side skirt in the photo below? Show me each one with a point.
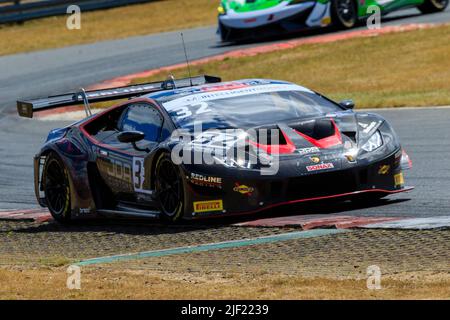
(130, 213)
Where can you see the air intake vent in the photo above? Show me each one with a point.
(350, 134)
(271, 140)
(322, 133)
(316, 129)
(268, 135)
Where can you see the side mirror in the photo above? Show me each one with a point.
(347, 104)
(130, 136)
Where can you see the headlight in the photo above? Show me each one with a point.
(221, 10)
(373, 143)
(236, 162)
(245, 160)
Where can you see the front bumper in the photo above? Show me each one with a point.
(244, 196)
(273, 22)
(38, 162)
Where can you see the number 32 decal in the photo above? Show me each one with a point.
(186, 111)
(139, 175)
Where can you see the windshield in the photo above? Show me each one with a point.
(248, 111)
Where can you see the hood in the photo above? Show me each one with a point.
(328, 142)
(332, 133)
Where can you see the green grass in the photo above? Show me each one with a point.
(108, 283)
(122, 22)
(394, 70)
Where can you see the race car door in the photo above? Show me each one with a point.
(123, 165)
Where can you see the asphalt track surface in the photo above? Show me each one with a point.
(424, 132)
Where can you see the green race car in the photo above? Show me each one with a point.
(247, 19)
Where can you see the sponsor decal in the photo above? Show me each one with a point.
(322, 166)
(243, 189)
(206, 181)
(399, 180)
(384, 2)
(384, 169)
(308, 150)
(207, 206)
(195, 98)
(350, 158)
(325, 21)
(315, 159)
(226, 86)
(216, 140)
(118, 171)
(250, 20)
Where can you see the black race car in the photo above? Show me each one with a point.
(199, 147)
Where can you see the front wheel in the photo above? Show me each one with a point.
(57, 189)
(169, 189)
(430, 6)
(344, 14)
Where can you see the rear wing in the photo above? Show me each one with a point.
(26, 108)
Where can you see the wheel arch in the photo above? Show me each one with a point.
(358, 17)
(187, 191)
(155, 158)
(81, 197)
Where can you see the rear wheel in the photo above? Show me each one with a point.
(57, 189)
(344, 13)
(430, 6)
(169, 189)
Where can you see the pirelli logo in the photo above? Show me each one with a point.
(207, 206)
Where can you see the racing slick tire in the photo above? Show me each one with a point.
(56, 186)
(344, 13)
(169, 189)
(430, 6)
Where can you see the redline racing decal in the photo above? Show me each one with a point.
(322, 166)
(206, 181)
